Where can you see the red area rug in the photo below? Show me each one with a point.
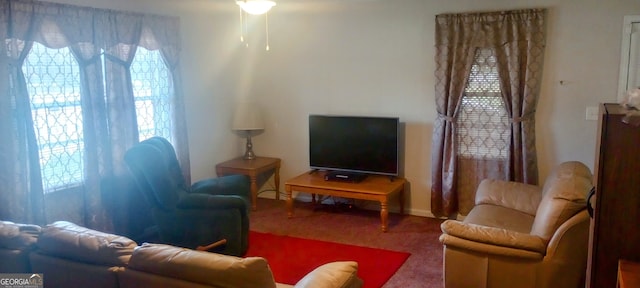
(291, 258)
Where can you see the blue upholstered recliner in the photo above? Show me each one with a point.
(195, 215)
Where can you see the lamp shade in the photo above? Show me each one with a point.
(247, 117)
(256, 7)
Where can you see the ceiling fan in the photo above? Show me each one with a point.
(256, 7)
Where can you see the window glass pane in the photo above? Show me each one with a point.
(53, 84)
(153, 91)
(483, 126)
(629, 78)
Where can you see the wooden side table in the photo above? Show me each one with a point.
(252, 168)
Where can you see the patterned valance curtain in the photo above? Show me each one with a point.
(517, 38)
(107, 101)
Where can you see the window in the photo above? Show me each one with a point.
(630, 56)
(483, 125)
(153, 90)
(53, 84)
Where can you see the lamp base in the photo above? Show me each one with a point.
(248, 154)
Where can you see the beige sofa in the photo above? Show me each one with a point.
(69, 255)
(521, 235)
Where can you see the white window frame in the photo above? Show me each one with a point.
(628, 47)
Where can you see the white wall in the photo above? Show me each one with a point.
(374, 57)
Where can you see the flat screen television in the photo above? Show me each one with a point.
(354, 144)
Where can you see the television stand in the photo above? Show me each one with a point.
(373, 187)
(344, 176)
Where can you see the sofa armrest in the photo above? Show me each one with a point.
(238, 185)
(15, 236)
(205, 201)
(515, 195)
(341, 274)
(465, 235)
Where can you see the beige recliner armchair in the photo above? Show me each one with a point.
(520, 235)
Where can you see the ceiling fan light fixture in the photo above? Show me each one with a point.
(256, 7)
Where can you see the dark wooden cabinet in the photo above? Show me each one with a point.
(615, 225)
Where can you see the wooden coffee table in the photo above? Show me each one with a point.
(374, 187)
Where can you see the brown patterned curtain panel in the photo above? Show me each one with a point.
(488, 73)
(83, 56)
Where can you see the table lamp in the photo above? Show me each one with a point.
(247, 121)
